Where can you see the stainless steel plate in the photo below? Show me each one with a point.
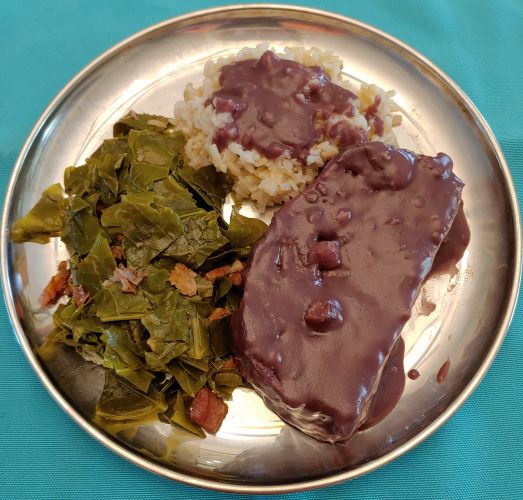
(254, 451)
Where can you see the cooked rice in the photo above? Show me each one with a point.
(269, 182)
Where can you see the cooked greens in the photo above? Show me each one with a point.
(200, 238)
(208, 183)
(151, 277)
(243, 231)
(44, 220)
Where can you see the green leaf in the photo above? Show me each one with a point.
(153, 156)
(176, 328)
(78, 180)
(174, 196)
(151, 159)
(117, 148)
(120, 400)
(194, 366)
(97, 267)
(222, 287)
(201, 237)
(119, 340)
(112, 217)
(211, 185)
(153, 362)
(150, 148)
(93, 199)
(220, 337)
(205, 287)
(199, 346)
(233, 299)
(165, 263)
(66, 314)
(83, 328)
(188, 383)
(142, 121)
(203, 307)
(169, 321)
(142, 176)
(148, 231)
(105, 177)
(81, 228)
(244, 231)
(226, 382)
(100, 174)
(112, 304)
(165, 352)
(123, 356)
(138, 334)
(44, 220)
(140, 378)
(156, 281)
(220, 258)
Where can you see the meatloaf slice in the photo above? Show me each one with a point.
(332, 282)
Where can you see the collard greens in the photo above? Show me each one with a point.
(44, 220)
(135, 210)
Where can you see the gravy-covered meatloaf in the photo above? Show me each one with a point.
(332, 282)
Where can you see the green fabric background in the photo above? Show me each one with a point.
(478, 454)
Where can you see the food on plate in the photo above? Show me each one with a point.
(151, 279)
(56, 287)
(207, 410)
(330, 285)
(271, 120)
(152, 290)
(453, 246)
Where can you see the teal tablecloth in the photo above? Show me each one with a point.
(478, 454)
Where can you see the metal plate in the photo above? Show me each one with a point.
(254, 451)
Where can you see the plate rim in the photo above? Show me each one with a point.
(120, 449)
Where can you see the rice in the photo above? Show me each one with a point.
(264, 181)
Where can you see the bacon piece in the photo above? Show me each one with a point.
(129, 277)
(236, 278)
(230, 364)
(219, 313)
(184, 279)
(56, 286)
(117, 252)
(219, 272)
(231, 271)
(207, 410)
